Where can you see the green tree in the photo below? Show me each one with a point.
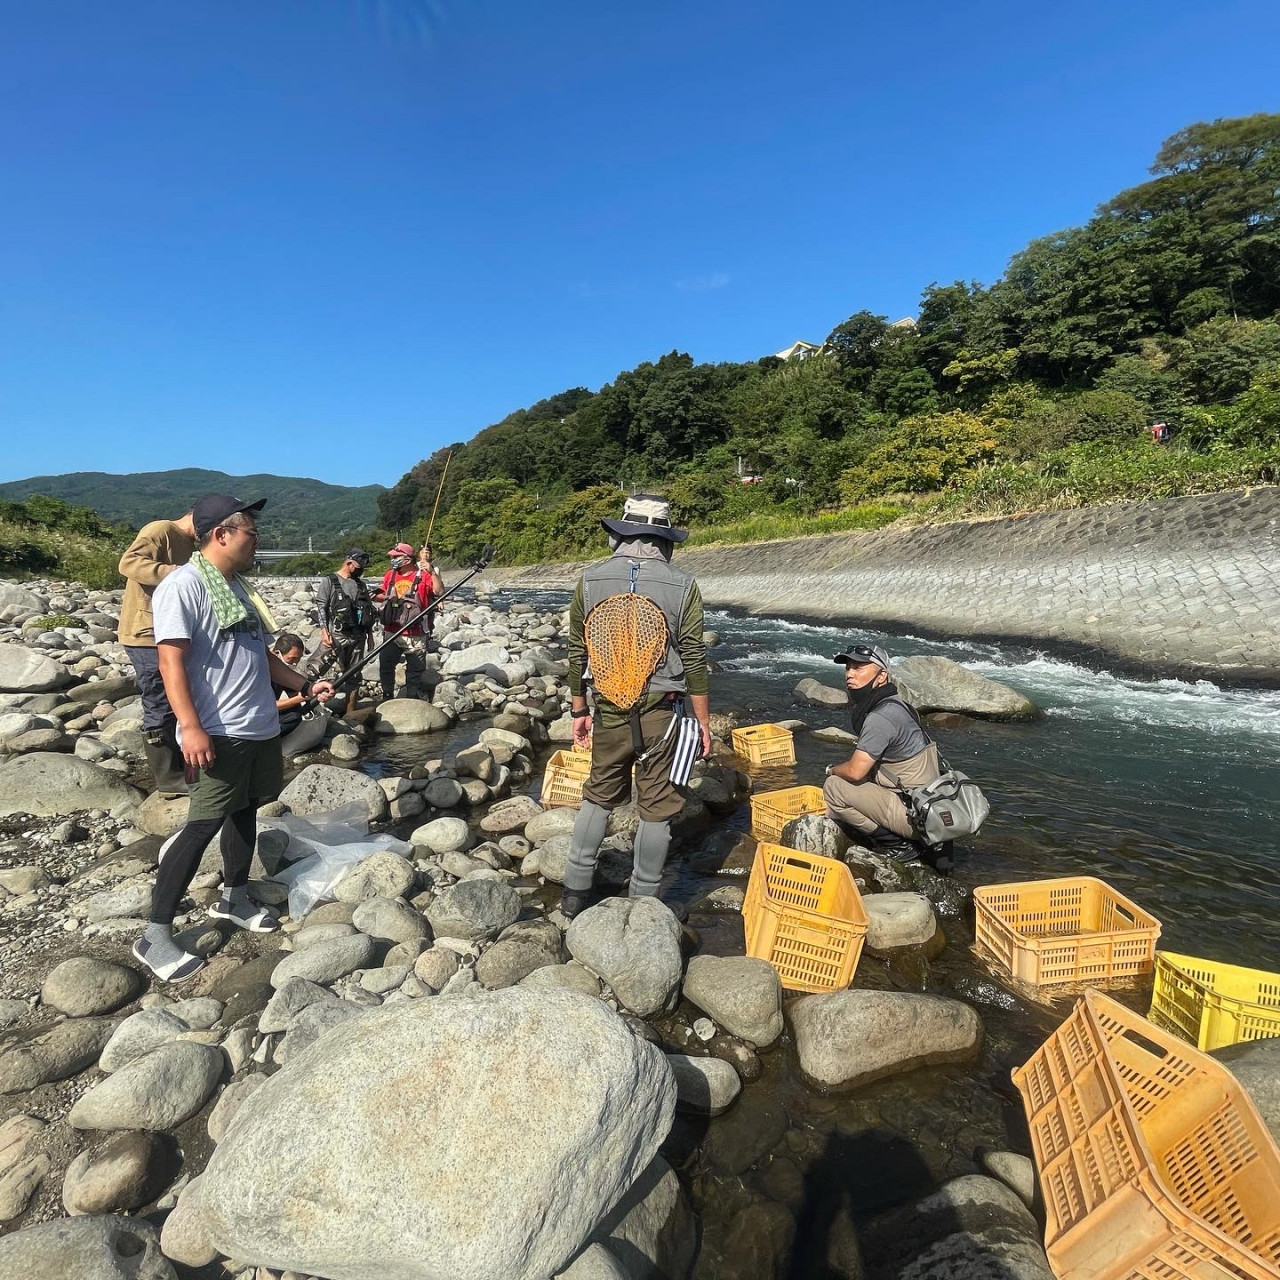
(919, 455)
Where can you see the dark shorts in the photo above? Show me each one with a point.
(612, 755)
(245, 772)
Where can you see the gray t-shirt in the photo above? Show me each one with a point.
(226, 669)
(890, 733)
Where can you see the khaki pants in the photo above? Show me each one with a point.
(865, 806)
(612, 755)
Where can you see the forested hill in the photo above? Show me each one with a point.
(296, 507)
(1039, 389)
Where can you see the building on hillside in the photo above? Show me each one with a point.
(799, 351)
(907, 322)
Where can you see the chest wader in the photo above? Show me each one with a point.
(626, 639)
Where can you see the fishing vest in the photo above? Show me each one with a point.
(658, 581)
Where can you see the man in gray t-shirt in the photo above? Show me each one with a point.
(863, 794)
(211, 642)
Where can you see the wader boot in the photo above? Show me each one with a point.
(165, 760)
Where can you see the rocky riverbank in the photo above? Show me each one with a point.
(431, 1073)
(1186, 587)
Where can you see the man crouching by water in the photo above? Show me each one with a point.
(211, 635)
(864, 794)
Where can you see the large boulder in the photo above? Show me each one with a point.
(817, 834)
(23, 670)
(442, 835)
(48, 784)
(321, 788)
(742, 994)
(409, 715)
(17, 602)
(1256, 1064)
(384, 874)
(105, 1248)
(938, 684)
(28, 1060)
(128, 1171)
(634, 945)
(85, 985)
(406, 1090)
(159, 1090)
(326, 961)
(479, 659)
(898, 920)
(849, 1038)
(162, 815)
(813, 693)
(474, 910)
(971, 1228)
(652, 1231)
(510, 816)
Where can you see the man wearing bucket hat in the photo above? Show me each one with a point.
(406, 590)
(864, 794)
(635, 637)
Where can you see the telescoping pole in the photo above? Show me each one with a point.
(352, 671)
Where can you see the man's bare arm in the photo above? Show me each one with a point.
(857, 768)
(197, 746)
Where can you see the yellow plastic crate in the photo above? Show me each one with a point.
(765, 744)
(1212, 1004)
(563, 779)
(1153, 1161)
(804, 915)
(1073, 929)
(772, 810)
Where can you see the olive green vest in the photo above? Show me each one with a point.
(667, 587)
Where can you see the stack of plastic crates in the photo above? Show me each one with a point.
(1213, 1004)
(772, 810)
(765, 744)
(1072, 930)
(804, 915)
(1153, 1161)
(563, 779)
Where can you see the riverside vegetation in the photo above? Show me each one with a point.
(1035, 392)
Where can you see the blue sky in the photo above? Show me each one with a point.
(324, 237)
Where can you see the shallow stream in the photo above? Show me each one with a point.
(1167, 790)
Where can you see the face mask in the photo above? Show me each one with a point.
(400, 563)
(861, 701)
(357, 570)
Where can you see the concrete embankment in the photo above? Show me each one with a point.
(1181, 586)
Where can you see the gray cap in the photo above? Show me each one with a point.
(859, 654)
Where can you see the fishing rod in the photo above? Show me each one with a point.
(346, 676)
(431, 524)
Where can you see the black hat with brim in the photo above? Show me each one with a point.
(633, 529)
(211, 510)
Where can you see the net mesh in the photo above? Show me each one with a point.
(626, 636)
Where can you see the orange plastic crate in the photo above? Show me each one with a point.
(1153, 1161)
(1076, 929)
(803, 914)
(772, 810)
(563, 779)
(765, 744)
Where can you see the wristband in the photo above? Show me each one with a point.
(577, 715)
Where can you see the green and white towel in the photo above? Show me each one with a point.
(228, 608)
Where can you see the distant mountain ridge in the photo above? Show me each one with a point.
(297, 507)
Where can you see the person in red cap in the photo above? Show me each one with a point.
(406, 590)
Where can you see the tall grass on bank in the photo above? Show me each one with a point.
(1085, 475)
(27, 552)
(774, 528)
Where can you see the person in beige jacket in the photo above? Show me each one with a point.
(157, 551)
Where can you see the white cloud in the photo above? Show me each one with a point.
(700, 284)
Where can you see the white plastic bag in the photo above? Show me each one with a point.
(323, 848)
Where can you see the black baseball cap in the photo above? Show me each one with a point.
(360, 557)
(857, 654)
(211, 510)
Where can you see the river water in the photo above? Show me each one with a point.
(1166, 789)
